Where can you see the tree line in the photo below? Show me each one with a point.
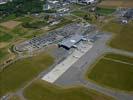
(21, 7)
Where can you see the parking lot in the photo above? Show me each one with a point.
(52, 37)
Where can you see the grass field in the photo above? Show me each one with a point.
(123, 39)
(116, 3)
(113, 71)
(2, 54)
(10, 17)
(79, 13)
(10, 24)
(25, 19)
(88, 17)
(104, 11)
(20, 31)
(20, 72)
(44, 91)
(5, 37)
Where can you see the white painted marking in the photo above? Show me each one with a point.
(62, 67)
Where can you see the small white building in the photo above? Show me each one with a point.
(89, 1)
(4, 1)
(46, 7)
(53, 2)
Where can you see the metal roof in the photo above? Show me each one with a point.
(69, 42)
(129, 13)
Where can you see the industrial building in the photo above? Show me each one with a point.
(71, 42)
(125, 15)
(82, 1)
(129, 14)
(4, 1)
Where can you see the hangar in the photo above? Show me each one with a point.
(70, 42)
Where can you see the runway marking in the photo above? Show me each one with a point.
(119, 61)
(62, 67)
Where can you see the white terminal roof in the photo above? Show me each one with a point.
(71, 41)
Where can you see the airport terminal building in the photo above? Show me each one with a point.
(70, 42)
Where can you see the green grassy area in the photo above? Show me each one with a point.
(123, 39)
(79, 13)
(20, 72)
(113, 26)
(10, 17)
(34, 34)
(5, 37)
(104, 11)
(2, 54)
(35, 24)
(25, 19)
(89, 17)
(112, 73)
(20, 31)
(43, 91)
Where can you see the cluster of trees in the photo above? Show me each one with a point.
(20, 7)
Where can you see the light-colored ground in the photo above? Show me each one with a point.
(117, 3)
(117, 61)
(3, 44)
(10, 24)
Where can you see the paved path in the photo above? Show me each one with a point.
(118, 51)
(119, 61)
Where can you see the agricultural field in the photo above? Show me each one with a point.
(114, 71)
(123, 35)
(3, 44)
(19, 73)
(10, 24)
(50, 92)
(116, 3)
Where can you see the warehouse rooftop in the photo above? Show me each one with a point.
(69, 42)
